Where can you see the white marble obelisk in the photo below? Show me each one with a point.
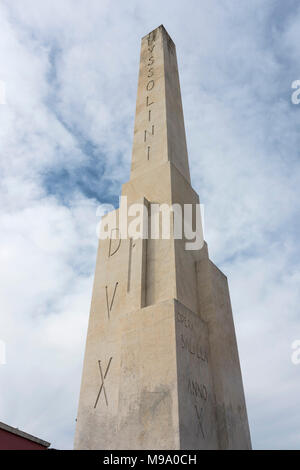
(161, 367)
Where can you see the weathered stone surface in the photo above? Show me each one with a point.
(161, 367)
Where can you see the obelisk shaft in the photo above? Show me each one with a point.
(159, 134)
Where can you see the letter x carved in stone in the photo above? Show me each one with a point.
(102, 386)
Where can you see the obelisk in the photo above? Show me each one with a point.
(161, 366)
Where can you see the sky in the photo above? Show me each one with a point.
(70, 71)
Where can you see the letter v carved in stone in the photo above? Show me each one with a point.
(109, 304)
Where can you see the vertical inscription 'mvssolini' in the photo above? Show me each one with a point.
(150, 83)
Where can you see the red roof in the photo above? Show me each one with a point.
(14, 439)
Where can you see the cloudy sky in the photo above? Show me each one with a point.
(70, 70)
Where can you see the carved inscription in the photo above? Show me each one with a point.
(147, 102)
(109, 304)
(193, 348)
(151, 38)
(188, 342)
(131, 246)
(150, 85)
(145, 133)
(199, 395)
(114, 242)
(102, 386)
(197, 390)
(199, 413)
(182, 318)
(150, 74)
